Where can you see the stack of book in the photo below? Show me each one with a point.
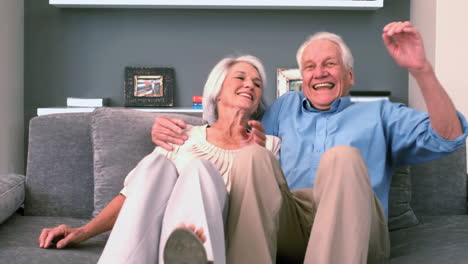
(197, 102)
(85, 102)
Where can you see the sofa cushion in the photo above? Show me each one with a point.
(19, 242)
(121, 138)
(11, 194)
(400, 213)
(438, 239)
(440, 186)
(59, 175)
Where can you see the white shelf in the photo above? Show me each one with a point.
(223, 4)
(60, 110)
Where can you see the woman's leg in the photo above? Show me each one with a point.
(135, 236)
(199, 198)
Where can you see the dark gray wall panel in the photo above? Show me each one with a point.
(83, 52)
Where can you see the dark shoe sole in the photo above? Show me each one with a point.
(184, 247)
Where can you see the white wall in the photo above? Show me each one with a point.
(423, 16)
(11, 86)
(452, 50)
(443, 25)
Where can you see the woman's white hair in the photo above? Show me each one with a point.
(346, 55)
(215, 81)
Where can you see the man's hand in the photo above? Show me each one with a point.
(168, 130)
(256, 135)
(62, 235)
(405, 45)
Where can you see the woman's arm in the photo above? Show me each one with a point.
(65, 235)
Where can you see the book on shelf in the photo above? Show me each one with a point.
(197, 102)
(85, 102)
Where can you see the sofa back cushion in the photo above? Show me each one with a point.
(121, 138)
(400, 212)
(59, 176)
(439, 187)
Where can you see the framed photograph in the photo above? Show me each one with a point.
(288, 80)
(149, 86)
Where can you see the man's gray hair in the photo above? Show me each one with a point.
(346, 55)
(215, 81)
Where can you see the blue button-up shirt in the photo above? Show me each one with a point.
(388, 135)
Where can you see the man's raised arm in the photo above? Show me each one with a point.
(405, 45)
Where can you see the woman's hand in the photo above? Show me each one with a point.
(62, 235)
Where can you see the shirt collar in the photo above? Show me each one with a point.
(337, 106)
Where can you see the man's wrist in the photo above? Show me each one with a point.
(426, 69)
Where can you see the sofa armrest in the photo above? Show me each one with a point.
(11, 194)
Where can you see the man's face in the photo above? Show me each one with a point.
(325, 77)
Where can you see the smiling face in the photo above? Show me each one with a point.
(325, 77)
(241, 89)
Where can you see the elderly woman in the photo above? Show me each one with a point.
(188, 186)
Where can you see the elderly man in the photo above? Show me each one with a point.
(337, 158)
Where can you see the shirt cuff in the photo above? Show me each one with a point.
(453, 144)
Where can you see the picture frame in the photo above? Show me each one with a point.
(288, 79)
(149, 86)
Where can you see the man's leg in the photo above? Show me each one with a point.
(199, 198)
(135, 236)
(348, 214)
(379, 243)
(296, 219)
(258, 199)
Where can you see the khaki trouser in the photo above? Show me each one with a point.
(339, 221)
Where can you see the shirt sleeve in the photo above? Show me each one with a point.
(411, 137)
(270, 118)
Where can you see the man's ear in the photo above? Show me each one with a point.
(351, 77)
(349, 82)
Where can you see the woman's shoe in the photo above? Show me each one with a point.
(184, 246)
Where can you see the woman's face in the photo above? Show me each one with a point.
(242, 88)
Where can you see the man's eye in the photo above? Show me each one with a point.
(240, 77)
(331, 64)
(259, 85)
